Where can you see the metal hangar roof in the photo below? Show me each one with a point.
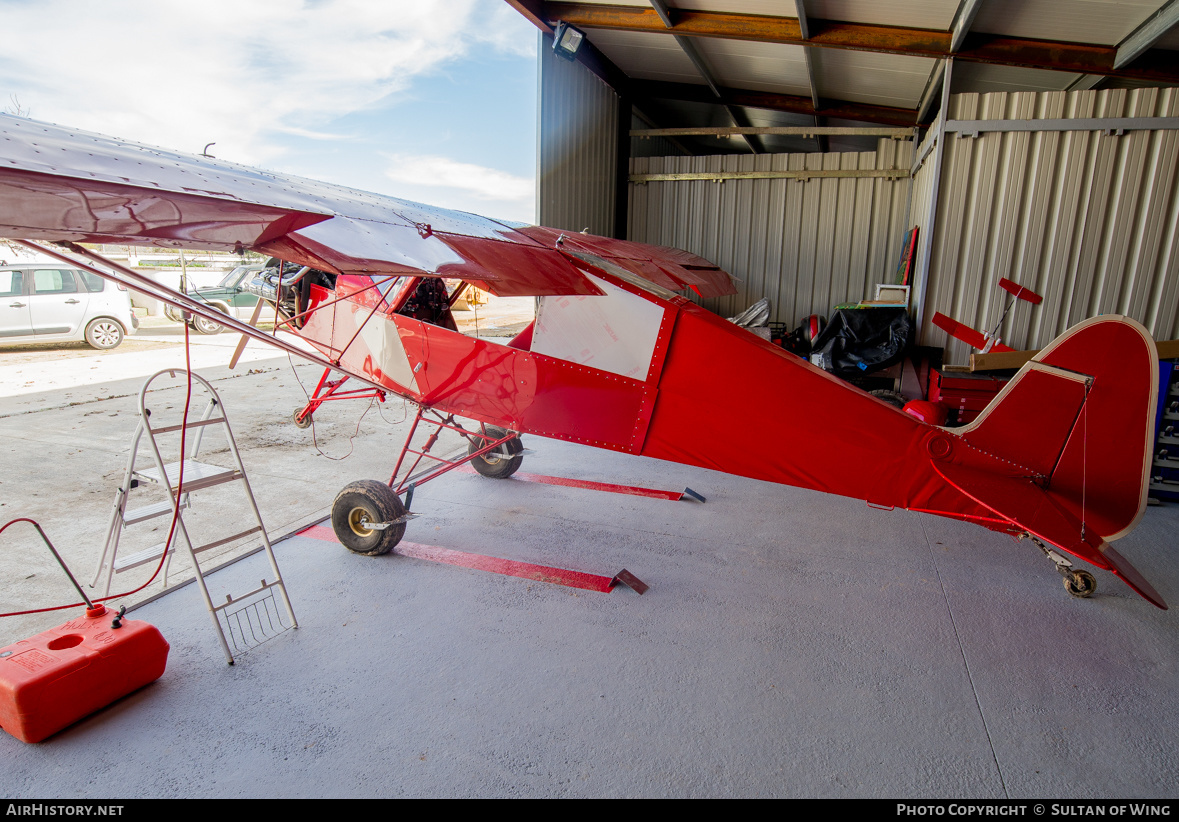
(743, 63)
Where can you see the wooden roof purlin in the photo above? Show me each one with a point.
(877, 67)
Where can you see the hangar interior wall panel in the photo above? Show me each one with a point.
(1088, 219)
(806, 245)
(576, 155)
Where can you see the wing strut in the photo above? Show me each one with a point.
(138, 282)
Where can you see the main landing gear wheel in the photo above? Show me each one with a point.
(359, 509)
(1080, 584)
(500, 462)
(301, 422)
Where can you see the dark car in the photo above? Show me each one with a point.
(228, 297)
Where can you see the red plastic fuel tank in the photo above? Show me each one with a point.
(61, 675)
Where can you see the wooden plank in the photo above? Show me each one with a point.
(1000, 360)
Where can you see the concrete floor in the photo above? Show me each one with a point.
(791, 644)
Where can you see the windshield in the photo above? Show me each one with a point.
(234, 277)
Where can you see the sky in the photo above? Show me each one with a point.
(429, 100)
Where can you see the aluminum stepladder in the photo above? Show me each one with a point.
(248, 616)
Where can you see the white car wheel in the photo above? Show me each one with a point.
(205, 326)
(104, 333)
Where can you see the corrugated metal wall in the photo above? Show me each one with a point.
(1088, 220)
(807, 245)
(576, 155)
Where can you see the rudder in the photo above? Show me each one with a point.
(1079, 418)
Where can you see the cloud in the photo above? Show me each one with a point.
(478, 181)
(463, 186)
(235, 71)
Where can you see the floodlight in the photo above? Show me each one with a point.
(567, 40)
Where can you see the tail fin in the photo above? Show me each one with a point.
(1074, 426)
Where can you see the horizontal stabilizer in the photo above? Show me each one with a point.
(1019, 292)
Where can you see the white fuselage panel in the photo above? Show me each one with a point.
(616, 332)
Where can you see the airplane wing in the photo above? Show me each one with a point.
(61, 184)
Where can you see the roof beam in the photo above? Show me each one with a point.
(1144, 36)
(689, 48)
(588, 55)
(742, 122)
(963, 20)
(533, 12)
(804, 30)
(976, 47)
(932, 86)
(595, 61)
(1085, 82)
(839, 109)
(671, 138)
(663, 11)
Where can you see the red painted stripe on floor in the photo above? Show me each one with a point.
(319, 532)
(479, 562)
(590, 484)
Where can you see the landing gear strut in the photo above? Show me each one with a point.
(330, 390)
(1078, 583)
(369, 516)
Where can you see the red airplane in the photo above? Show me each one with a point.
(615, 359)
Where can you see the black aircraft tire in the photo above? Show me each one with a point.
(372, 501)
(891, 397)
(1080, 584)
(301, 422)
(493, 464)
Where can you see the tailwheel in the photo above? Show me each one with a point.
(500, 462)
(1080, 583)
(368, 517)
(301, 420)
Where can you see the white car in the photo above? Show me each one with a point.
(51, 303)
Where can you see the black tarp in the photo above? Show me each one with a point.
(862, 340)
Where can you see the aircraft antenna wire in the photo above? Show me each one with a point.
(1084, 456)
(314, 440)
